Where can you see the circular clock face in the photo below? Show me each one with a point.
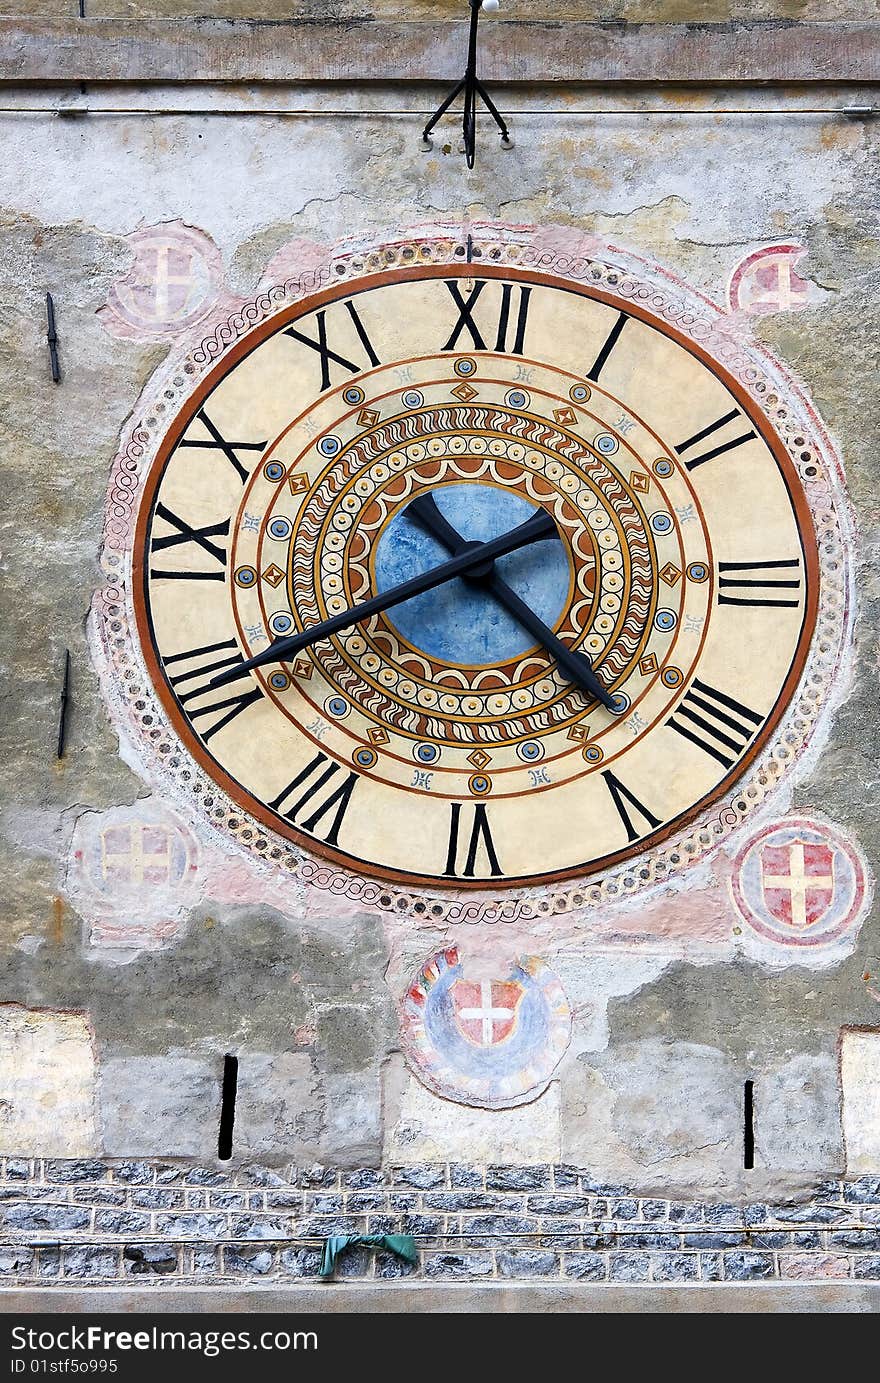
(586, 565)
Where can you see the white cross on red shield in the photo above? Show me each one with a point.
(798, 881)
(486, 1010)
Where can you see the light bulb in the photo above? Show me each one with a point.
(490, 6)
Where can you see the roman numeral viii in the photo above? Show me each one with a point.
(192, 672)
(322, 347)
(718, 448)
(716, 723)
(314, 780)
(509, 327)
(760, 583)
(480, 832)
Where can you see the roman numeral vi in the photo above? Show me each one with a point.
(480, 832)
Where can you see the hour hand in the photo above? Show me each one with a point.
(575, 666)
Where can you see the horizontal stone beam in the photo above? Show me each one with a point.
(172, 51)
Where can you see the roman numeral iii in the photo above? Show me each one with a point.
(479, 834)
(314, 780)
(718, 724)
(760, 583)
(509, 327)
(718, 448)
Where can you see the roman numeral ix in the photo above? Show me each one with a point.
(339, 797)
(479, 832)
(324, 351)
(760, 583)
(715, 723)
(465, 319)
(185, 533)
(703, 456)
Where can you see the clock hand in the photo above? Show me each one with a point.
(575, 666)
(476, 556)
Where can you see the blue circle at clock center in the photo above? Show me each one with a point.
(459, 622)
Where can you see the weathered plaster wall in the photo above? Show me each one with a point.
(664, 1032)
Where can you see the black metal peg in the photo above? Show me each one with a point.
(52, 338)
(472, 87)
(64, 703)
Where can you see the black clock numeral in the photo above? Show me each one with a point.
(217, 442)
(760, 583)
(479, 832)
(702, 457)
(623, 799)
(338, 798)
(205, 661)
(232, 705)
(185, 533)
(723, 725)
(610, 343)
(466, 318)
(324, 351)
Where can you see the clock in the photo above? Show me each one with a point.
(460, 567)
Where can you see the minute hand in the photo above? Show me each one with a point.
(535, 529)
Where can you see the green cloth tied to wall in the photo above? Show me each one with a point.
(404, 1245)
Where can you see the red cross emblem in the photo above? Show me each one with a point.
(486, 1011)
(798, 882)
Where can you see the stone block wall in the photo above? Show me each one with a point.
(99, 1222)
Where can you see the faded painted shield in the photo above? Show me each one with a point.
(486, 1011)
(797, 881)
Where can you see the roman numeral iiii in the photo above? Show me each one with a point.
(716, 723)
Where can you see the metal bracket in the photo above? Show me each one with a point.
(472, 87)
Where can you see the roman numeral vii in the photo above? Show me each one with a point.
(314, 780)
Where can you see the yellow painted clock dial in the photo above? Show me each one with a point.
(440, 739)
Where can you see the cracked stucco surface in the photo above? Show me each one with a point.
(304, 1000)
